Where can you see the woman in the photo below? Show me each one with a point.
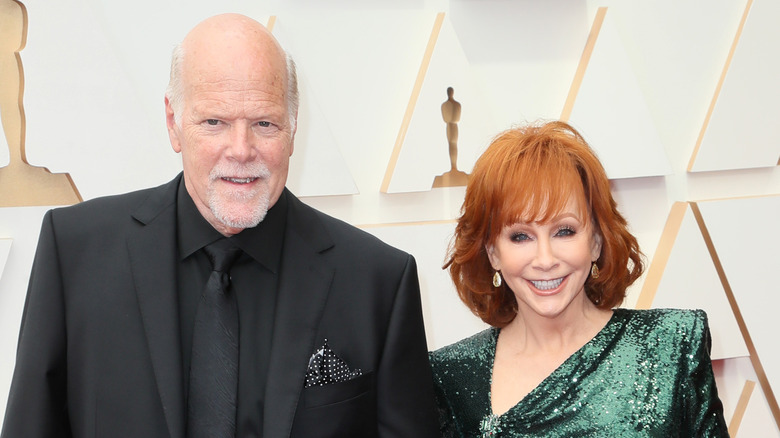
(541, 254)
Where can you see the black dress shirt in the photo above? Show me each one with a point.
(254, 279)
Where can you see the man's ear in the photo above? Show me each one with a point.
(292, 134)
(173, 128)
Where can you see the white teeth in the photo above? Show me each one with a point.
(240, 180)
(547, 284)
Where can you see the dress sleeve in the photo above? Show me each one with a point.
(447, 427)
(703, 408)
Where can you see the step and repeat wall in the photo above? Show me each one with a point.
(677, 98)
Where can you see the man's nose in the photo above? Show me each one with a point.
(242, 143)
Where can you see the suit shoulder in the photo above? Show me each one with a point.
(107, 211)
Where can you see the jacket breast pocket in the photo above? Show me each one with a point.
(315, 396)
(339, 409)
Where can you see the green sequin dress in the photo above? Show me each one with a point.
(647, 373)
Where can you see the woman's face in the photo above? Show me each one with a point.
(546, 264)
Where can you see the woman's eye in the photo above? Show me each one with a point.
(565, 232)
(519, 237)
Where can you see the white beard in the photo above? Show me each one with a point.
(239, 209)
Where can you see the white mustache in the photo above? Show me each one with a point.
(239, 171)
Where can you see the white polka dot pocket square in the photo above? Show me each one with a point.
(325, 367)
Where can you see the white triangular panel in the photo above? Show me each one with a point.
(22, 225)
(5, 156)
(743, 232)
(91, 110)
(730, 377)
(425, 150)
(5, 249)
(758, 419)
(611, 112)
(742, 130)
(522, 77)
(427, 242)
(317, 167)
(690, 281)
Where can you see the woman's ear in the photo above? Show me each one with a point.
(494, 261)
(595, 247)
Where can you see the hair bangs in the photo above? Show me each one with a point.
(537, 186)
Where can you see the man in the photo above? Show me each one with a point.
(331, 341)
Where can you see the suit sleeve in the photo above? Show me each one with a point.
(703, 408)
(405, 397)
(37, 401)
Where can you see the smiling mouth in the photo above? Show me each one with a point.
(240, 180)
(547, 284)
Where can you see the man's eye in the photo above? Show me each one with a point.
(212, 122)
(264, 124)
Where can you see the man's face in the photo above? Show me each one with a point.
(234, 135)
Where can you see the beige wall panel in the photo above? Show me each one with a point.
(742, 232)
(730, 376)
(318, 167)
(96, 72)
(502, 75)
(610, 110)
(740, 129)
(20, 183)
(447, 319)
(523, 54)
(5, 248)
(633, 196)
(20, 224)
(689, 280)
(84, 97)
(360, 67)
(425, 152)
(677, 51)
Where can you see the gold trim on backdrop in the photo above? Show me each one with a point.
(583, 65)
(656, 270)
(739, 411)
(754, 359)
(407, 224)
(399, 141)
(718, 87)
(271, 23)
(20, 183)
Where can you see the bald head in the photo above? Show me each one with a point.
(227, 46)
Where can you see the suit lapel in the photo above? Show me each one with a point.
(152, 250)
(304, 282)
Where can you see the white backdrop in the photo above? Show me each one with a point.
(95, 73)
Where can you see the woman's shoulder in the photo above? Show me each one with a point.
(665, 320)
(475, 345)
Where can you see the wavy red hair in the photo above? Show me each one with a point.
(529, 174)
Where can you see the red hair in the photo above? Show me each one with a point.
(529, 174)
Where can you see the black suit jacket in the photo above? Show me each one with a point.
(99, 350)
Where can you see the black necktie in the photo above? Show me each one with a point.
(214, 364)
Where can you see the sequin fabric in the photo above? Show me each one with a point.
(647, 373)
